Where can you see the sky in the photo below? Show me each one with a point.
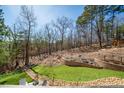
(43, 13)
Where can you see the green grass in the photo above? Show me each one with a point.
(77, 73)
(13, 78)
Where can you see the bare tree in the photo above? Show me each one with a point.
(62, 26)
(71, 34)
(48, 33)
(28, 22)
(55, 37)
(38, 42)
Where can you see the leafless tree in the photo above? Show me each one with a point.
(48, 33)
(28, 22)
(71, 34)
(62, 25)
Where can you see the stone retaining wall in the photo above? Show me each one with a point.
(81, 62)
(110, 65)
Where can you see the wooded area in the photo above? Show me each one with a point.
(101, 25)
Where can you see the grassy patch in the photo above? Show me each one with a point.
(77, 73)
(13, 78)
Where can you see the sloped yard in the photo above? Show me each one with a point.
(76, 73)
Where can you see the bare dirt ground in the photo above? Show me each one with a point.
(57, 58)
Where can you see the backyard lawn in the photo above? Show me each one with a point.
(13, 78)
(61, 72)
(76, 73)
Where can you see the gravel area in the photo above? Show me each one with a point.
(104, 82)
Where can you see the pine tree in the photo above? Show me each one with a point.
(3, 42)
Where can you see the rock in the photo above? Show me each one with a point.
(59, 57)
(45, 83)
(22, 81)
(35, 82)
(79, 55)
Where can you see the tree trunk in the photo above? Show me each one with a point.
(27, 54)
(49, 48)
(27, 46)
(56, 46)
(91, 32)
(62, 43)
(99, 37)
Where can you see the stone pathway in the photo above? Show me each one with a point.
(35, 76)
(38, 80)
(31, 74)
